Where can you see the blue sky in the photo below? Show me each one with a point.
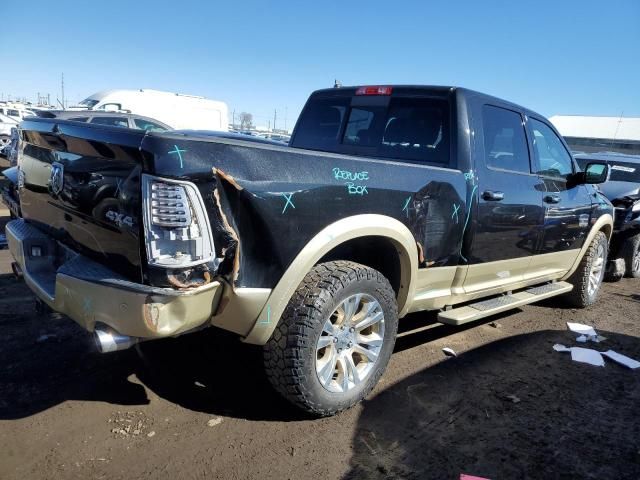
(567, 57)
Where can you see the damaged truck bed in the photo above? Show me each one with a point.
(388, 200)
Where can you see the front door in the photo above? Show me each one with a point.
(510, 210)
(567, 207)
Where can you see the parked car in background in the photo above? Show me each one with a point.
(111, 119)
(623, 190)
(6, 124)
(179, 111)
(15, 112)
(11, 150)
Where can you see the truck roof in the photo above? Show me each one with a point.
(416, 89)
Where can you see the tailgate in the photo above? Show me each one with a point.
(81, 184)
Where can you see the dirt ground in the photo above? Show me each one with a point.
(508, 407)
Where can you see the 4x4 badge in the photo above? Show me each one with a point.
(56, 181)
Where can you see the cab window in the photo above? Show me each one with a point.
(505, 142)
(413, 129)
(147, 125)
(551, 155)
(111, 121)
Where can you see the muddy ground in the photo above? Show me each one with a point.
(508, 407)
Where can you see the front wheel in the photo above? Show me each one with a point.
(587, 279)
(334, 339)
(630, 251)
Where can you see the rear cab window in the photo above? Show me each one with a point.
(412, 128)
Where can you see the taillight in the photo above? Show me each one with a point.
(374, 90)
(169, 205)
(177, 231)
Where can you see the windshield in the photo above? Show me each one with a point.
(89, 102)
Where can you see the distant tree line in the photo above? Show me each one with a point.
(246, 121)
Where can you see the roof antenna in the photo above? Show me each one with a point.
(615, 135)
(337, 83)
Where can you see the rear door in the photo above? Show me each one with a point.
(509, 201)
(567, 207)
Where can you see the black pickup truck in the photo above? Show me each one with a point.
(388, 200)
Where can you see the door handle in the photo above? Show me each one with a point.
(552, 198)
(492, 196)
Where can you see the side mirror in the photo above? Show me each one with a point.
(593, 173)
(596, 173)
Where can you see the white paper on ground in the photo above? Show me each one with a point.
(622, 359)
(587, 355)
(582, 329)
(561, 348)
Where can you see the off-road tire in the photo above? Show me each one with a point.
(628, 252)
(290, 353)
(579, 296)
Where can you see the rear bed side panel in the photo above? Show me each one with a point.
(97, 209)
(267, 202)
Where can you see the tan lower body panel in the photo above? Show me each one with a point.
(551, 263)
(239, 308)
(483, 277)
(441, 286)
(433, 288)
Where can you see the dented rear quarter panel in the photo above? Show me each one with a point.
(273, 200)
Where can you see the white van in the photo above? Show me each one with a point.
(179, 111)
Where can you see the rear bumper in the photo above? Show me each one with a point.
(90, 293)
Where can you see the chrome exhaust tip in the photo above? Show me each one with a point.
(17, 271)
(108, 340)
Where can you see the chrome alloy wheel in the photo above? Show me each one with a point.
(636, 262)
(350, 343)
(597, 270)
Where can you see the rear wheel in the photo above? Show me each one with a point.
(587, 279)
(334, 339)
(630, 251)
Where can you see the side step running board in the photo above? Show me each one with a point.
(491, 306)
